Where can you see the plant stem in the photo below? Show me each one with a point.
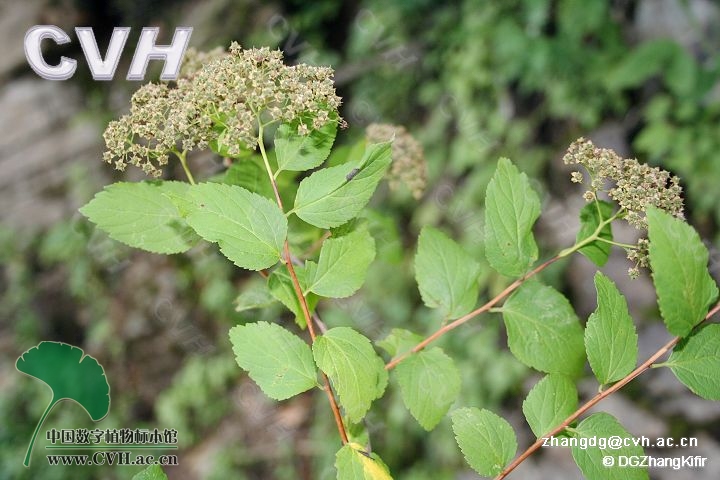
(597, 398)
(183, 161)
(617, 244)
(271, 176)
(511, 288)
(299, 293)
(593, 237)
(50, 406)
(452, 325)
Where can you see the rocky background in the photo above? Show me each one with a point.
(473, 83)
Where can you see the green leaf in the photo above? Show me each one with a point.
(551, 400)
(511, 208)
(281, 287)
(251, 176)
(255, 294)
(543, 330)
(355, 370)
(695, 361)
(70, 375)
(354, 463)
(249, 229)
(610, 337)
(399, 341)
(343, 264)
(487, 441)
(597, 251)
(590, 459)
(153, 472)
(446, 275)
(142, 215)
(302, 152)
(679, 260)
(332, 196)
(277, 360)
(347, 153)
(429, 384)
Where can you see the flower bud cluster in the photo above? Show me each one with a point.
(634, 186)
(220, 97)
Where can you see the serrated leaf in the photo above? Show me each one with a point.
(511, 208)
(590, 459)
(153, 472)
(254, 295)
(551, 400)
(142, 215)
(543, 330)
(695, 361)
(332, 196)
(399, 341)
(446, 275)
(302, 152)
(346, 153)
(251, 176)
(610, 338)
(353, 463)
(71, 375)
(597, 251)
(278, 361)
(487, 441)
(429, 384)
(679, 260)
(343, 264)
(281, 287)
(357, 373)
(249, 228)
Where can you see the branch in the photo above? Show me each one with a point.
(452, 325)
(597, 398)
(511, 288)
(299, 293)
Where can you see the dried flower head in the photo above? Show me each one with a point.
(245, 87)
(141, 137)
(220, 97)
(194, 60)
(634, 186)
(408, 159)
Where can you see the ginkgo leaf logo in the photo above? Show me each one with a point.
(71, 375)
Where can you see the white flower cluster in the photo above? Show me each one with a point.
(633, 185)
(222, 97)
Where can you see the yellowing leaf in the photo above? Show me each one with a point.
(353, 463)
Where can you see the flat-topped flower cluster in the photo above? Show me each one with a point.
(220, 97)
(633, 185)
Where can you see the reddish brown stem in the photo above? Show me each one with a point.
(596, 399)
(301, 296)
(456, 323)
(311, 329)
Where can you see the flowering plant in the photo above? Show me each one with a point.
(321, 248)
